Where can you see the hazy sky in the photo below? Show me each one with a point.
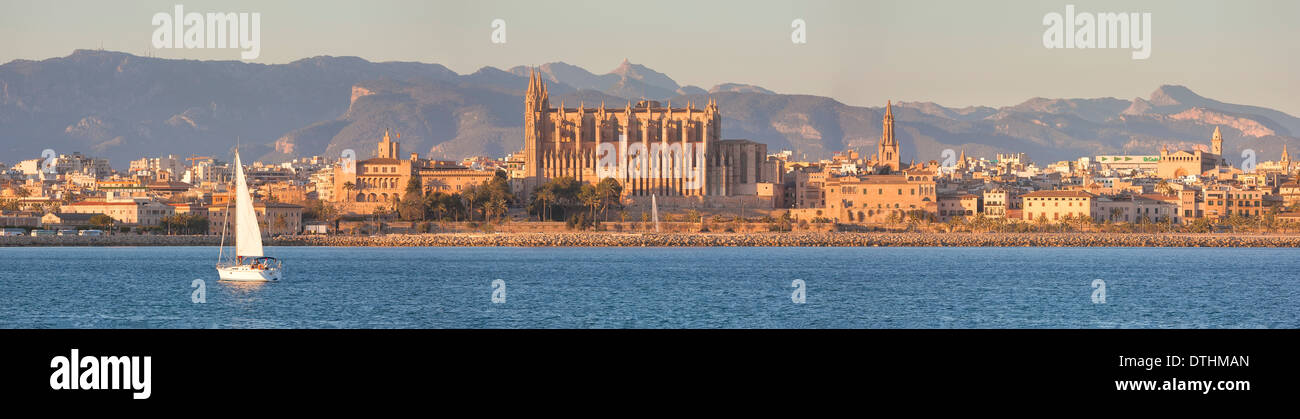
(955, 53)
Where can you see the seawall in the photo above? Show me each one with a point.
(608, 239)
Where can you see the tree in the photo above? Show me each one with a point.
(349, 187)
(100, 220)
(610, 193)
(495, 207)
(470, 196)
(412, 205)
(1164, 188)
(497, 196)
(1083, 221)
(953, 223)
(542, 199)
(588, 196)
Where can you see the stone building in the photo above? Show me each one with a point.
(958, 205)
(1182, 163)
(648, 147)
(126, 212)
(887, 159)
(272, 218)
(873, 198)
(363, 185)
(1055, 205)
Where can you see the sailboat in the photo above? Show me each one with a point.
(247, 262)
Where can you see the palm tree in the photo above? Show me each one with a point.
(590, 198)
(434, 204)
(349, 187)
(1164, 187)
(610, 193)
(470, 195)
(545, 195)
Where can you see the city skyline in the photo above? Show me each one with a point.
(949, 55)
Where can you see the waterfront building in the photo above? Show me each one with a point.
(364, 185)
(874, 198)
(995, 203)
(564, 141)
(1182, 163)
(140, 211)
(958, 205)
(1056, 205)
(272, 217)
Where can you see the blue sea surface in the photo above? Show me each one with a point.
(722, 287)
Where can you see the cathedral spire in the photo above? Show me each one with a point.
(1216, 142)
(887, 150)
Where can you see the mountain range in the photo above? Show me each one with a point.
(123, 107)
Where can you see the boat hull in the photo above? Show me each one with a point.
(248, 273)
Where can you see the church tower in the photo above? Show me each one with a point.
(388, 149)
(1286, 161)
(536, 103)
(887, 151)
(1216, 142)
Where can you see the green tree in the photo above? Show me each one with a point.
(349, 187)
(611, 195)
(588, 196)
(412, 205)
(100, 220)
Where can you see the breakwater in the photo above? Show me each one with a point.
(609, 239)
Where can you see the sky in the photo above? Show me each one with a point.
(860, 52)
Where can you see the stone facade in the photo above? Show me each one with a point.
(1182, 163)
(381, 181)
(588, 143)
(1056, 205)
(874, 198)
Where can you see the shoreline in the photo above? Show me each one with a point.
(611, 239)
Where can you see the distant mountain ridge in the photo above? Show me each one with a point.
(123, 107)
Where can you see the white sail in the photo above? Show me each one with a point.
(248, 237)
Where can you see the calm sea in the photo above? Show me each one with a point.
(331, 287)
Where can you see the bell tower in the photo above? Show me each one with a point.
(1216, 142)
(887, 151)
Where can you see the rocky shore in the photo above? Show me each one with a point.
(804, 239)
